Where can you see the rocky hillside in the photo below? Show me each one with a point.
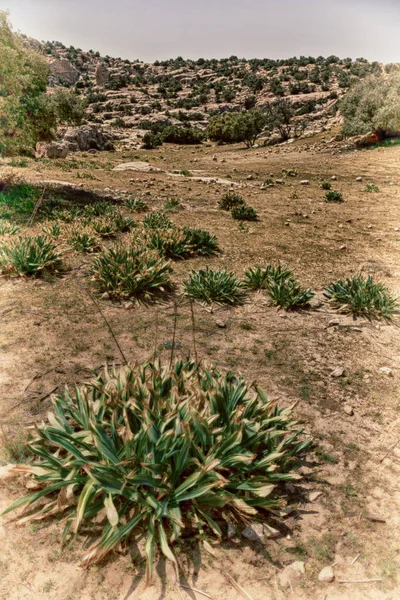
(131, 95)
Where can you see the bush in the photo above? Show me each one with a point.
(333, 196)
(8, 228)
(244, 213)
(182, 135)
(200, 242)
(109, 226)
(259, 278)
(230, 200)
(136, 205)
(170, 243)
(213, 285)
(151, 450)
(157, 220)
(82, 239)
(28, 255)
(130, 271)
(362, 296)
(371, 187)
(230, 128)
(325, 185)
(287, 293)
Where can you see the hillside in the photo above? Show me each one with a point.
(131, 95)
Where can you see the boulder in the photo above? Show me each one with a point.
(102, 74)
(51, 150)
(87, 137)
(62, 71)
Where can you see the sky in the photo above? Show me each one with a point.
(161, 29)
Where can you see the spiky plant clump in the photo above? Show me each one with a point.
(214, 285)
(28, 255)
(172, 204)
(8, 228)
(259, 278)
(136, 205)
(52, 230)
(371, 187)
(170, 243)
(82, 239)
(157, 220)
(99, 209)
(230, 200)
(362, 296)
(244, 213)
(200, 241)
(152, 451)
(109, 226)
(288, 294)
(131, 271)
(334, 196)
(325, 185)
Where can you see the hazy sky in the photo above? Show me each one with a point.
(159, 29)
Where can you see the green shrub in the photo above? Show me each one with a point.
(244, 213)
(325, 185)
(200, 242)
(99, 209)
(362, 296)
(213, 285)
(371, 187)
(170, 243)
(21, 198)
(28, 255)
(333, 196)
(157, 220)
(150, 451)
(52, 230)
(229, 128)
(109, 226)
(8, 228)
(131, 271)
(81, 239)
(287, 293)
(136, 205)
(230, 200)
(172, 204)
(182, 135)
(259, 278)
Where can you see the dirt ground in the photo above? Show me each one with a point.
(51, 334)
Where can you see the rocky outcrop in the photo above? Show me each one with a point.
(62, 71)
(87, 137)
(51, 150)
(102, 74)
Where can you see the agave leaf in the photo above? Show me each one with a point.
(85, 496)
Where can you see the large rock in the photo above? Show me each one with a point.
(51, 150)
(62, 71)
(102, 74)
(87, 137)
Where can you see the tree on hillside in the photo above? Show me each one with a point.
(230, 128)
(279, 115)
(372, 105)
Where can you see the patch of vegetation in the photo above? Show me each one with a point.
(287, 293)
(8, 228)
(325, 185)
(215, 285)
(157, 220)
(362, 296)
(136, 205)
(81, 239)
(231, 200)
(109, 226)
(28, 255)
(244, 212)
(334, 196)
(131, 271)
(19, 198)
(260, 278)
(168, 449)
(371, 187)
(172, 204)
(200, 241)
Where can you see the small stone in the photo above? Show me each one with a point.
(348, 410)
(326, 575)
(254, 532)
(231, 532)
(279, 181)
(338, 372)
(334, 178)
(304, 182)
(215, 158)
(334, 323)
(397, 228)
(291, 575)
(220, 324)
(250, 177)
(386, 371)
(359, 179)
(315, 496)
(105, 296)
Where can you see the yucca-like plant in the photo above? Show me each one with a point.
(259, 278)
(334, 196)
(362, 296)
(244, 213)
(214, 285)
(230, 200)
(131, 271)
(136, 205)
(28, 255)
(82, 239)
(52, 229)
(201, 241)
(157, 220)
(147, 452)
(325, 185)
(8, 228)
(99, 209)
(288, 294)
(109, 226)
(170, 243)
(172, 204)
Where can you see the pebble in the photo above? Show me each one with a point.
(254, 532)
(334, 178)
(304, 182)
(220, 324)
(326, 575)
(292, 574)
(315, 496)
(231, 531)
(387, 371)
(334, 323)
(359, 179)
(338, 372)
(348, 410)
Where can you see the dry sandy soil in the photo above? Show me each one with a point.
(52, 335)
